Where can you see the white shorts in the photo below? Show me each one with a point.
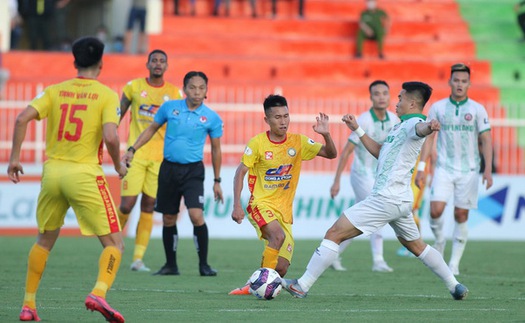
(373, 213)
(362, 186)
(463, 185)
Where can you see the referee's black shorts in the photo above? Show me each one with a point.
(177, 181)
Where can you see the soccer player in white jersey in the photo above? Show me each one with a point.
(377, 123)
(391, 198)
(463, 122)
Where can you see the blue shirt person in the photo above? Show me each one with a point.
(188, 123)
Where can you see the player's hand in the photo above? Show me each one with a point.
(127, 158)
(420, 179)
(14, 170)
(351, 121)
(434, 125)
(334, 190)
(121, 169)
(217, 192)
(322, 125)
(487, 179)
(237, 214)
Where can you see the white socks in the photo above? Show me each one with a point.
(433, 260)
(458, 244)
(322, 258)
(437, 228)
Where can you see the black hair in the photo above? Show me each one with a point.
(191, 74)
(459, 67)
(376, 82)
(419, 90)
(157, 51)
(87, 51)
(274, 100)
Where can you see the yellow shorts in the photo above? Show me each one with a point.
(80, 186)
(259, 216)
(141, 178)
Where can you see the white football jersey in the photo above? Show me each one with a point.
(457, 141)
(397, 159)
(364, 164)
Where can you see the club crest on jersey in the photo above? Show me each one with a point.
(203, 119)
(143, 94)
(268, 155)
(292, 152)
(468, 117)
(175, 112)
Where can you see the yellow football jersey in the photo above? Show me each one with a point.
(76, 110)
(145, 101)
(274, 169)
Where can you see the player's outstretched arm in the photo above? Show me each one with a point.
(322, 127)
(370, 144)
(143, 139)
(343, 159)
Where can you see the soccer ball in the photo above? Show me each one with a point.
(265, 283)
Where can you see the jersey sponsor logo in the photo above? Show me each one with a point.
(41, 94)
(457, 127)
(118, 111)
(468, 117)
(148, 110)
(292, 152)
(248, 151)
(281, 173)
(166, 98)
(143, 94)
(310, 141)
(486, 121)
(203, 119)
(268, 155)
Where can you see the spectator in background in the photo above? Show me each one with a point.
(38, 17)
(520, 10)
(62, 40)
(136, 14)
(16, 24)
(373, 24)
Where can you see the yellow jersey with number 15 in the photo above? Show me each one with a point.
(76, 110)
(145, 101)
(274, 169)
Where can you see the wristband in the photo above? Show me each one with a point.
(359, 132)
(217, 180)
(133, 150)
(421, 166)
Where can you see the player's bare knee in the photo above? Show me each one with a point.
(169, 220)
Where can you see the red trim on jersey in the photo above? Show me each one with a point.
(100, 152)
(257, 217)
(153, 85)
(108, 204)
(275, 142)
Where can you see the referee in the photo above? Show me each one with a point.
(181, 173)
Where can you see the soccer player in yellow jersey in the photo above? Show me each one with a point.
(81, 114)
(273, 160)
(144, 96)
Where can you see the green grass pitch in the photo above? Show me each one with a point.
(493, 271)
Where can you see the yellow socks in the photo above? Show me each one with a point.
(270, 257)
(36, 263)
(143, 234)
(108, 266)
(123, 218)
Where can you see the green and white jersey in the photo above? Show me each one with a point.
(364, 164)
(457, 141)
(397, 159)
